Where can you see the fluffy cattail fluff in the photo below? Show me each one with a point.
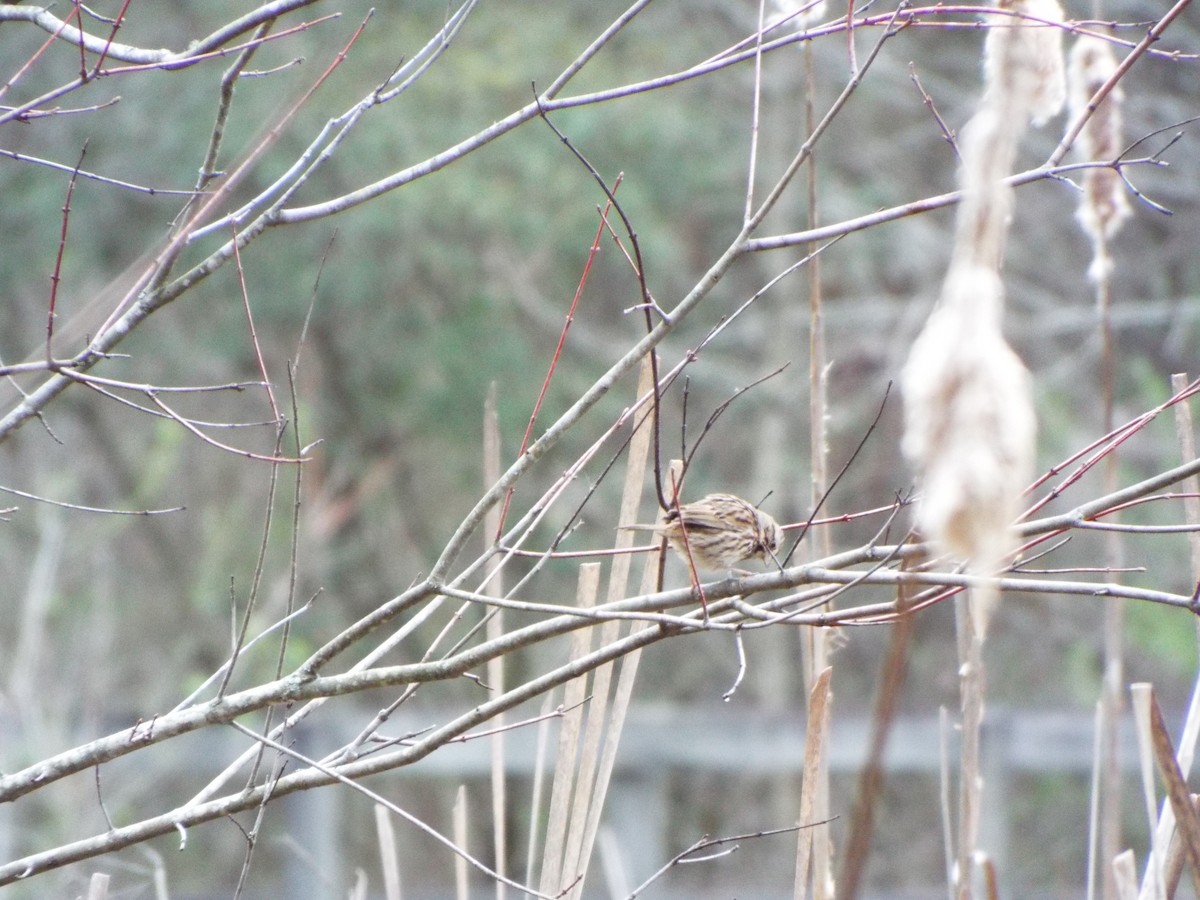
(1023, 59)
(989, 143)
(1105, 206)
(969, 426)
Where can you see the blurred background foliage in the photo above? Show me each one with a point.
(400, 313)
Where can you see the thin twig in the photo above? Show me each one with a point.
(56, 275)
(90, 509)
(404, 814)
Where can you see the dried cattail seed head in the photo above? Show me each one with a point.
(969, 422)
(1105, 205)
(1023, 59)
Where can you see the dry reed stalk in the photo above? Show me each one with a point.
(598, 763)
(575, 854)
(972, 689)
(495, 630)
(1124, 870)
(620, 710)
(1162, 831)
(816, 643)
(580, 785)
(1178, 856)
(98, 886)
(1102, 210)
(1094, 855)
(462, 883)
(1180, 798)
(389, 862)
(539, 784)
(568, 742)
(1152, 885)
(816, 741)
(945, 798)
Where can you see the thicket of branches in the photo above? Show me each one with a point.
(267, 324)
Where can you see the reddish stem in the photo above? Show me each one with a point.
(593, 252)
(62, 249)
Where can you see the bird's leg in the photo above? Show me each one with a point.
(687, 551)
(694, 574)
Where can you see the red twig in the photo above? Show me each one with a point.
(112, 34)
(62, 247)
(593, 252)
(78, 16)
(1174, 495)
(1106, 445)
(258, 355)
(29, 62)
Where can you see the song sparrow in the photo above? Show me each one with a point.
(722, 530)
